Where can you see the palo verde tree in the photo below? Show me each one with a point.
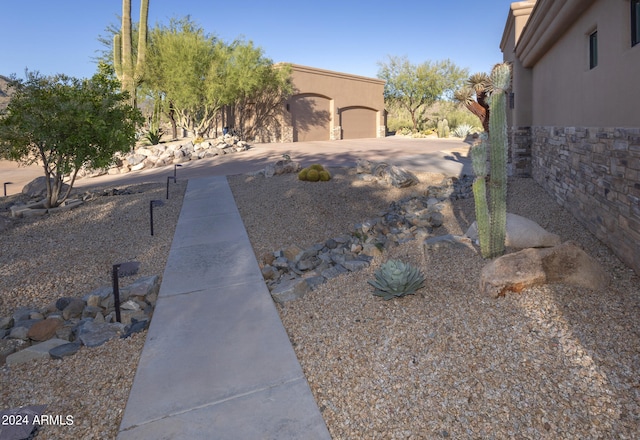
(196, 74)
(185, 66)
(254, 86)
(66, 123)
(415, 87)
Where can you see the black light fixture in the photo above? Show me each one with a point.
(5, 187)
(153, 203)
(169, 178)
(121, 270)
(175, 167)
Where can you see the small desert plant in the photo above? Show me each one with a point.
(154, 135)
(462, 130)
(314, 173)
(198, 140)
(443, 128)
(395, 279)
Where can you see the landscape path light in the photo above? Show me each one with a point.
(169, 178)
(175, 167)
(5, 187)
(121, 270)
(153, 203)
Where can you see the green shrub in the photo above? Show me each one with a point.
(198, 140)
(302, 175)
(324, 176)
(395, 279)
(317, 167)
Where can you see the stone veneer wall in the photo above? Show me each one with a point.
(520, 151)
(595, 174)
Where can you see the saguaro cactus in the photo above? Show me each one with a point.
(491, 214)
(129, 76)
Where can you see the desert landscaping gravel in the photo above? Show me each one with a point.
(551, 362)
(70, 254)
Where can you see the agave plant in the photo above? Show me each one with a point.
(395, 279)
(462, 130)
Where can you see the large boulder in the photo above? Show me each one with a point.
(522, 233)
(394, 176)
(389, 174)
(564, 264)
(37, 188)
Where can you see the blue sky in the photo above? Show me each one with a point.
(60, 36)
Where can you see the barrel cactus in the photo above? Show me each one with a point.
(395, 278)
(314, 173)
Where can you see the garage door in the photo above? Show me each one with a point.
(358, 123)
(310, 118)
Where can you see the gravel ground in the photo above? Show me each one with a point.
(70, 254)
(553, 362)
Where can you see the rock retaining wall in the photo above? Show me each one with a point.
(161, 155)
(595, 174)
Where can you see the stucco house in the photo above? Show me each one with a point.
(574, 113)
(328, 105)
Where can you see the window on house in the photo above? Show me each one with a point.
(593, 49)
(635, 22)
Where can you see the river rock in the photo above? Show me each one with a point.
(290, 290)
(64, 350)
(93, 334)
(45, 329)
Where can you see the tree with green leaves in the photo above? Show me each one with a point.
(197, 75)
(415, 87)
(254, 86)
(185, 66)
(66, 123)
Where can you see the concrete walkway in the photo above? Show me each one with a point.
(217, 362)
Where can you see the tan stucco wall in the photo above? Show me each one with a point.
(521, 114)
(361, 99)
(581, 141)
(567, 93)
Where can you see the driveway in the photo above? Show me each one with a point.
(447, 156)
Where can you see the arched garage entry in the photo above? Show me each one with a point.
(358, 122)
(310, 117)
